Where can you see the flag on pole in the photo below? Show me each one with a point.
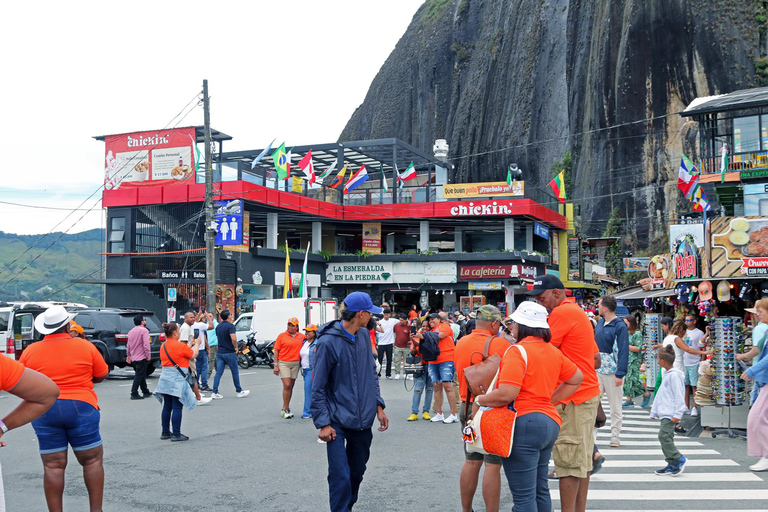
(262, 154)
(724, 162)
(327, 172)
(384, 179)
(305, 164)
(197, 154)
(303, 285)
(282, 162)
(687, 177)
(509, 176)
(288, 281)
(400, 186)
(409, 173)
(558, 186)
(339, 178)
(357, 179)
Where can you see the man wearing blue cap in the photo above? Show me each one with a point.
(346, 397)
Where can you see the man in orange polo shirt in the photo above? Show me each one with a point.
(441, 370)
(288, 362)
(469, 351)
(572, 333)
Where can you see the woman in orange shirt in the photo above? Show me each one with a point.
(529, 377)
(173, 390)
(74, 364)
(288, 362)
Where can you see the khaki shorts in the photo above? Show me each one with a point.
(572, 452)
(289, 369)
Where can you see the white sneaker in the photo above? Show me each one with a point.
(203, 400)
(244, 393)
(437, 418)
(451, 419)
(761, 465)
(694, 412)
(320, 441)
(410, 377)
(397, 376)
(216, 396)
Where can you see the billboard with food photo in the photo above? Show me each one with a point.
(162, 157)
(739, 246)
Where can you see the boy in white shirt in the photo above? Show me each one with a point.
(669, 406)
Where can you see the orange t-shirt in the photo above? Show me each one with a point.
(446, 344)
(71, 363)
(572, 332)
(537, 380)
(373, 340)
(289, 346)
(10, 373)
(469, 350)
(180, 352)
(412, 314)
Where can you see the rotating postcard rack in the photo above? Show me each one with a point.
(652, 335)
(727, 340)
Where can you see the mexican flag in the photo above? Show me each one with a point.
(409, 173)
(558, 186)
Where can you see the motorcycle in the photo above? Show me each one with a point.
(254, 352)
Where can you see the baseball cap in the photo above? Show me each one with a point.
(705, 291)
(74, 327)
(361, 301)
(544, 283)
(293, 320)
(311, 327)
(473, 315)
(531, 314)
(434, 315)
(682, 290)
(723, 291)
(488, 313)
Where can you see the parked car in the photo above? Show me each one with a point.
(107, 328)
(17, 324)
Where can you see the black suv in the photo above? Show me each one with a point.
(107, 328)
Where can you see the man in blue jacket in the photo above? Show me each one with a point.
(612, 338)
(346, 397)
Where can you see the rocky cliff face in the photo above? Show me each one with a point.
(524, 81)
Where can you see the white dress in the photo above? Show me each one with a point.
(670, 340)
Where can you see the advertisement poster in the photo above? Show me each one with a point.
(164, 157)
(679, 232)
(660, 273)
(493, 188)
(555, 249)
(739, 247)
(574, 262)
(225, 297)
(417, 272)
(372, 237)
(756, 199)
(636, 264)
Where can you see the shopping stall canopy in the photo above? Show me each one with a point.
(638, 293)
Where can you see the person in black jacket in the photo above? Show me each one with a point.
(346, 397)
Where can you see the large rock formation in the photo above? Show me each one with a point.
(524, 81)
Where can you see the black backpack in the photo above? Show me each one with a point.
(429, 348)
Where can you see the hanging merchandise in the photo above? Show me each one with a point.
(723, 291)
(727, 386)
(745, 291)
(651, 336)
(683, 291)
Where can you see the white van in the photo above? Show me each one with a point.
(269, 317)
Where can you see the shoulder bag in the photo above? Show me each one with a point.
(492, 429)
(480, 376)
(191, 380)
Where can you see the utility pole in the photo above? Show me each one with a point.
(210, 223)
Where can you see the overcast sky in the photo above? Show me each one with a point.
(294, 70)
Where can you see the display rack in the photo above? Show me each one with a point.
(727, 340)
(652, 335)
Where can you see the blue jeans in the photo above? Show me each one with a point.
(307, 374)
(347, 457)
(172, 410)
(202, 369)
(526, 467)
(420, 384)
(226, 360)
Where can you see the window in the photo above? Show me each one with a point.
(84, 321)
(117, 247)
(746, 135)
(117, 236)
(118, 223)
(244, 324)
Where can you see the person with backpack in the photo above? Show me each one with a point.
(441, 367)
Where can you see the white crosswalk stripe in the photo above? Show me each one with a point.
(627, 482)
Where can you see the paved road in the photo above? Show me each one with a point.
(243, 456)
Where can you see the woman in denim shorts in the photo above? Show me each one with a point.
(74, 365)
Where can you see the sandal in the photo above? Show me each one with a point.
(679, 429)
(597, 465)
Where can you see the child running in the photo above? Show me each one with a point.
(669, 406)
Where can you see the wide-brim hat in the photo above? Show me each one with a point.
(52, 319)
(531, 314)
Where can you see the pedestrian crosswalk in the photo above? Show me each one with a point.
(711, 481)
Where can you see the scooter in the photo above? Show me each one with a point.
(253, 353)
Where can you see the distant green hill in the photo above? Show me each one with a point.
(48, 277)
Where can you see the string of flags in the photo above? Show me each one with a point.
(688, 183)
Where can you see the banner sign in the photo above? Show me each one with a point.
(496, 271)
(679, 232)
(636, 264)
(164, 157)
(686, 260)
(246, 245)
(359, 273)
(658, 272)
(555, 249)
(372, 237)
(416, 272)
(493, 188)
(541, 230)
(175, 275)
(229, 223)
(484, 285)
(573, 255)
(739, 247)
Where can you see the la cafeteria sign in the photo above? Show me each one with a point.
(496, 271)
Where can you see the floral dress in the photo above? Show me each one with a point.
(633, 385)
